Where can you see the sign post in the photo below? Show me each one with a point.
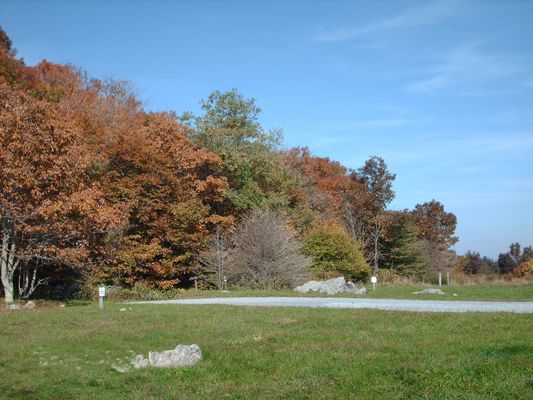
(374, 280)
(101, 295)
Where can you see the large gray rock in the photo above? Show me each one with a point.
(182, 356)
(331, 286)
(429, 291)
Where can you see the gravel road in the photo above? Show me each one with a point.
(378, 304)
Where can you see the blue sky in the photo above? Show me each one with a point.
(443, 90)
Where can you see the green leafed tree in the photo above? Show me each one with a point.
(378, 180)
(402, 251)
(334, 253)
(229, 127)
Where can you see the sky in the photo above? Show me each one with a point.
(442, 90)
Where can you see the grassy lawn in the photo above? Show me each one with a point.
(501, 292)
(278, 353)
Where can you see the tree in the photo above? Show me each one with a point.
(49, 210)
(378, 180)
(508, 262)
(229, 127)
(473, 263)
(266, 252)
(402, 251)
(335, 253)
(214, 261)
(435, 224)
(170, 190)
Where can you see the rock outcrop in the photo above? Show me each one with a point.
(182, 356)
(331, 286)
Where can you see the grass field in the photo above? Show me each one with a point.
(252, 353)
(501, 292)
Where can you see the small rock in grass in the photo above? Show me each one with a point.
(285, 321)
(61, 306)
(455, 294)
(430, 291)
(120, 369)
(29, 305)
(122, 309)
(14, 306)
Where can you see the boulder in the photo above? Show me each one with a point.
(351, 288)
(429, 291)
(13, 306)
(29, 305)
(331, 286)
(182, 356)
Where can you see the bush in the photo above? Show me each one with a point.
(266, 253)
(525, 269)
(139, 291)
(334, 253)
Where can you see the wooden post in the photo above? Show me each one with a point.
(195, 279)
(440, 279)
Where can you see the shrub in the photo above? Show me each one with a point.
(334, 253)
(525, 269)
(266, 252)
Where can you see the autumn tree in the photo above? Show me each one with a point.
(170, 190)
(49, 210)
(434, 223)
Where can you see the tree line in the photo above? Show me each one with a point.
(95, 189)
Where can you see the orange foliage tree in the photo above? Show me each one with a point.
(49, 211)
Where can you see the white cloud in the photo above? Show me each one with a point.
(468, 69)
(422, 15)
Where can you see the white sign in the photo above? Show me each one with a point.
(374, 279)
(101, 291)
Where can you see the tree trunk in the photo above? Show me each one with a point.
(6, 272)
(8, 265)
(376, 241)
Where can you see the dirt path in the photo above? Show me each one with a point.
(378, 304)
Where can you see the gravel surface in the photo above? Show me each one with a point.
(378, 304)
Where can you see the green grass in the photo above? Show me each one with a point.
(499, 292)
(250, 354)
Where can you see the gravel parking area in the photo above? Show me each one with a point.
(378, 304)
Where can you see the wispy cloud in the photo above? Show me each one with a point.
(468, 69)
(422, 15)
